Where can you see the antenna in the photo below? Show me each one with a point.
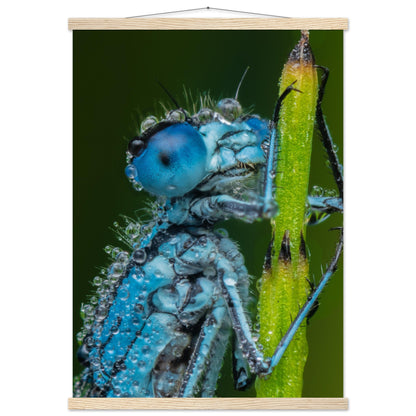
(241, 81)
(169, 94)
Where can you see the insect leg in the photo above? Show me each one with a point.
(203, 352)
(222, 206)
(287, 338)
(241, 372)
(325, 204)
(269, 201)
(228, 279)
(327, 141)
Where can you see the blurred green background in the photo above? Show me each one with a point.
(115, 76)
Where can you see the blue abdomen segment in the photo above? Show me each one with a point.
(140, 375)
(114, 336)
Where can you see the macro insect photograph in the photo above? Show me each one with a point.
(208, 201)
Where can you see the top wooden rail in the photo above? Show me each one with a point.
(207, 24)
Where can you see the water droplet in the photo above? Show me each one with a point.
(116, 269)
(133, 230)
(123, 257)
(139, 256)
(97, 281)
(205, 115)
(330, 193)
(131, 171)
(317, 191)
(147, 123)
(176, 115)
(230, 108)
(137, 186)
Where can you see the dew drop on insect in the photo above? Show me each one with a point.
(97, 281)
(131, 171)
(205, 115)
(176, 115)
(123, 293)
(133, 230)
(330, 193)
(114, 330)
(122, 257)
(139, 256)
(116, 269)
(230, 108)
(101, 313)
(317, 191)
(137, 186)
(147, 123)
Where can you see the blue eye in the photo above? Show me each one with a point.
(171, 162)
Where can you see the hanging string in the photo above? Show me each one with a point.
(208, 9)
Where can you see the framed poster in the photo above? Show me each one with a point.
(166, 248)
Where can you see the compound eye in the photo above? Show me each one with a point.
(136, 146)
(230, 108)
(173, 161)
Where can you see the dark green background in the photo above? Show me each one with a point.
(115, 86)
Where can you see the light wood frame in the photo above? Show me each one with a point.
(207, 24)
(303, 403)
(229, 403)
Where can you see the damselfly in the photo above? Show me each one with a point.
(163, 316)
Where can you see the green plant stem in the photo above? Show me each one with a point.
(284, 286)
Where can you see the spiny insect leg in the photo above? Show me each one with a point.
(197, 365)
(326, 138)
(326, 205)
(287, 338)
(228, 282)
(269, 201)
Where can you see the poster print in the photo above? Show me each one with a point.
(157, 285)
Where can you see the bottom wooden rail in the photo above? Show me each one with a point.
(316, 403)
